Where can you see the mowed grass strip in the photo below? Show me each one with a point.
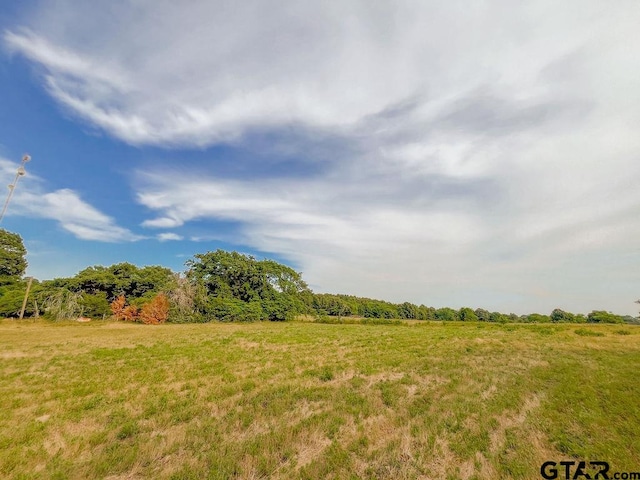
(305, 400)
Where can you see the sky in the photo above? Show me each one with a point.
(482, 154)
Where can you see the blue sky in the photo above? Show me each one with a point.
(444, 153)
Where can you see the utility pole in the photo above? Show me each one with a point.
(26, 297)
(20, 173)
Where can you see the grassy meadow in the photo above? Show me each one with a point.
(294, 400)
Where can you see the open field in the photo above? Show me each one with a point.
(304, 400)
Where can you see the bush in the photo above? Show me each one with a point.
(118, 306)
(156, 311)
(63, 304)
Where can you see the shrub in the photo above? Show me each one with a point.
(63, 304)
(118, 306)
(122, 311)
(156, 311)
(130, 313)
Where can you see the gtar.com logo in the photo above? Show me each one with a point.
(566, 470)
(574, 470)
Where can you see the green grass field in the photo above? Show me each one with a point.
(304, 400)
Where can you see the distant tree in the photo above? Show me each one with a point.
(118, 279)
(426, 313)
(579, 318)
(446, 314)
(538, 318)
(467, 315)
(560, 316)
(337, 305)
(600, 316)
(407, 310)
(483, 315)
(12, 257)
(379, 309)
(631, 320)
(498, 317)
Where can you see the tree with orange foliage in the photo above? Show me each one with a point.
(122, 311)
(130, 313)
(156, 311)
(118, 306)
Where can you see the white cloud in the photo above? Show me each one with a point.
(160, 73)
(64, 206)
(169, 236)
(484, 154)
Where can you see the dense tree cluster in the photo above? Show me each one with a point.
(346, 305)
(220, 285)
(230, 286)
(89, 293)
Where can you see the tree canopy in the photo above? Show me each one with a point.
(12, 256)
(239, 284)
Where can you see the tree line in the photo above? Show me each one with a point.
(216, 286)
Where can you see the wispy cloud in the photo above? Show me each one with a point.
(217, 72)
(65, 207)
(483, 154)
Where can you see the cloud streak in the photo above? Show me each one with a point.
(217, 72)
(64, 206)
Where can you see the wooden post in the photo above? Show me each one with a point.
(26, 296)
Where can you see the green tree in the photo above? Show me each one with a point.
(407, 310)
(560, 316)
(498, 317)
(600, 316)
(538, 318)
(467, 315)
(483, 315)
(426, 313)
(232, 277)
(118, 279)
(95, 305)
(446, 314)
(12, 256)
(12, 296)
